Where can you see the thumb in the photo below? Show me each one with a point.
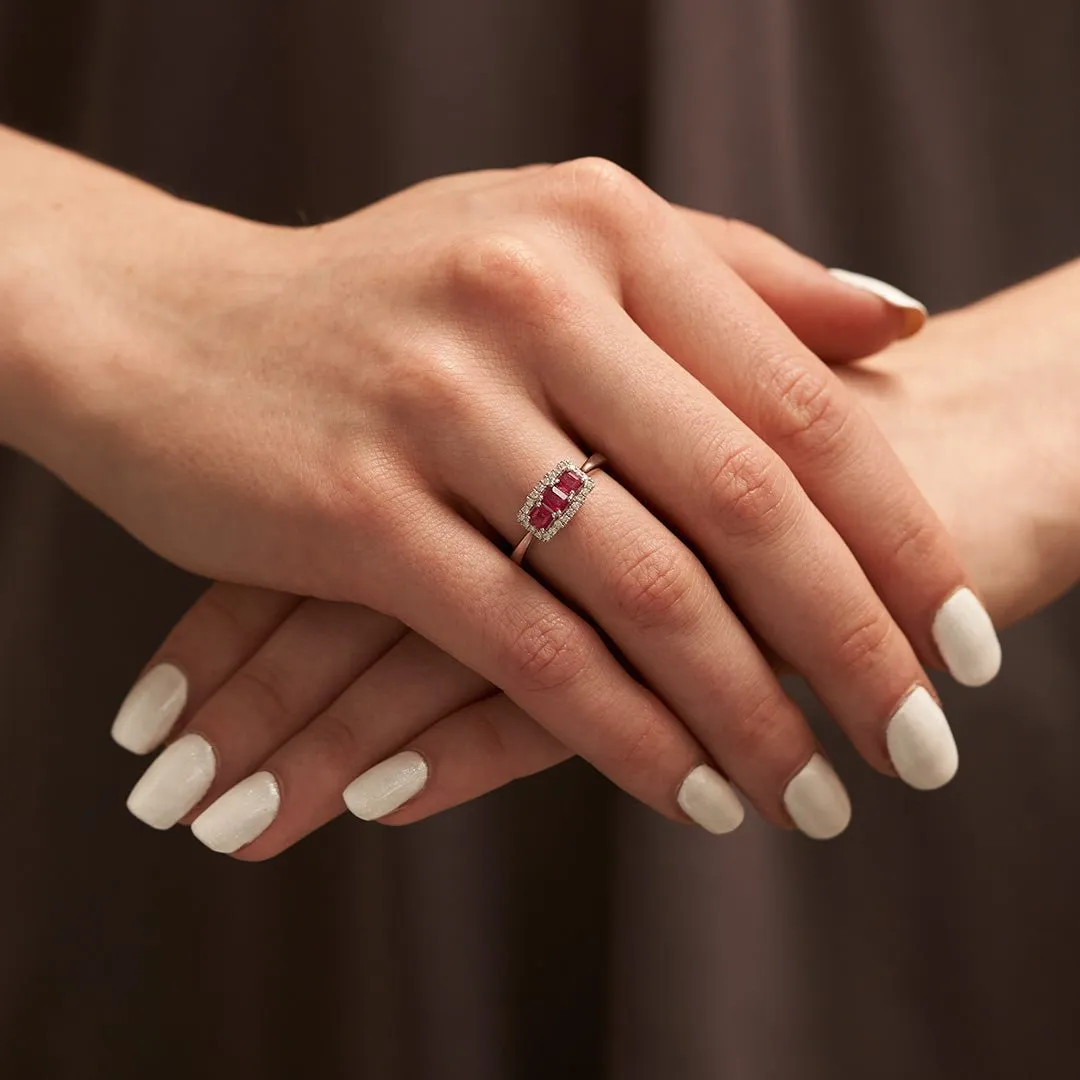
(839, 315)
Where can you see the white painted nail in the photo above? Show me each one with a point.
(915, 312)
(966, 639)
(817, 800)
(920, 741)
(151, 708)
(244, 812)
(387, 787)
(710, 801)
(176, 780)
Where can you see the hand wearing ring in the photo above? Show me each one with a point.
(396, 384)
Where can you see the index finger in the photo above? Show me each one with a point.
(688, 301)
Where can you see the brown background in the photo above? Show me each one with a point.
(555, 929)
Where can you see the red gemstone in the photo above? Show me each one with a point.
(554, 500)
(569, 482)
(540, 517)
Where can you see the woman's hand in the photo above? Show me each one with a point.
(416, 732)
(355, 412)
(984, 411)
(289, 701)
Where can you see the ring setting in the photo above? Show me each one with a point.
(555, 500)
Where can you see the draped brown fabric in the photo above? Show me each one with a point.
(554, 929)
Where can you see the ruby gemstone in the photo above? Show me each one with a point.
(554, 500)
(540, 517)
(569, 482)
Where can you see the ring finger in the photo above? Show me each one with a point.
(658, 604)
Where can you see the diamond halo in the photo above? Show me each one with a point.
(530, 519)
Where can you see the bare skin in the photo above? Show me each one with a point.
(982, 408)
(354, 412)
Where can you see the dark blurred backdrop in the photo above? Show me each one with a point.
(553, 929)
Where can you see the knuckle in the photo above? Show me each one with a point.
(603, 193)
(547, 652)
(219, 615)
(864, 645)
(763, 728)
(654, 587)
(509, 744)
(813, 415)
(748, 492)
(264, 693)
(491, 747)
(337, 739)
(918, 542)
(585, 176)
(638, 755)
(504, 274)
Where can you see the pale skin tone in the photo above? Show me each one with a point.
(983, 409)
(354, 413)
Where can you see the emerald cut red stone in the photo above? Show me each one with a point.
(553, 499)
(540, 517)
(569, 482)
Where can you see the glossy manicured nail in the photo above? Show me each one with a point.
(920, 741)
(151, 708)
(817, 800)
(914, 311)
(387, 787)
(240, 815)
(176, 780)
(966, 639)
(710, 801)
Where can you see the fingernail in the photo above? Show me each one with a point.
(151, 708)
(817, 800)
(914, 312)
(920, 741)
(176, 780)
(240, 815)
(710, 801)
(387, 786)
(966, 639)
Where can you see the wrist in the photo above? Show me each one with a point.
(1016, 512)
(35, 285)
(93, 281)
